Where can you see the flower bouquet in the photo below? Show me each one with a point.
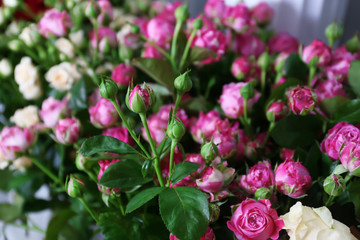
(146, 123)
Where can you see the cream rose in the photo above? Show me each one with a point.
(26, 117)
(65, 47)
(62, 76)
(31, 91)
(13, 28)
(28, 34)
(21, 163)
(306, 223)
(5, 67)
(77, 38)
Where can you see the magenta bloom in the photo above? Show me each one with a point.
(231, 101)
(278, 109)
(196, 158)
(241, 67)
(283, 42)
(103, 114)
(211, 180)
(238, 18)
(317, 49)
(106, 11)
(123, 74)
(141, 98)
(168, 12)
(159, 31)
(214, 9)
(248, 45)
(301, 100)
(350, 158)
(208, 235)
(14, 140)
(225, 142)
(67, 130)
(52, 110)
(262, 13)
(55, 22)
(292, 178)
(120, 133)
(205, 126)
(328, 89)
(259, 175)
(151, 52)
(287, 153)
(104, 164)
(255, 221)
(339, 65)
(105, 36)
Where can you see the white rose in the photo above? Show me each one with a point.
(65, 47)
(5, 67)
(77, 37)
(305, 223)
(13, 28)
(26, 117)
(21, 163)
(62, 76)
(120, 18)
(31, 92)
(28, 34)
(11, 3)
(102, 69)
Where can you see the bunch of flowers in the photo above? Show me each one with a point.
(151, 124)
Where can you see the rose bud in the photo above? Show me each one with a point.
(123, 74)
(92, 9)
(237, 18)
(247, 91)
(5, 68)
(292, 178)
(108, 89)
(75, 187)
(255, 220)
(264, 61)
(55, 22)
(263, 193)
(106, 38)
(353, 44)
(103, 114)
(209, 151)
(241, 68)
(319, 51)
(301, 100)
(176, 130)
(14, 140)
(276, 111)
(333, 32)
(350, 158)
(182, 13)
(262, 13)
(80, 162)
(211, 180)
(334, 185)
(140, 99)
(183, 83)
(67, 130)
(159, 31)
(208, 235)
(119, 133)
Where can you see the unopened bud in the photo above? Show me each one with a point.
(209, 151)
(264, 61)
(183, 83)
(263, 193)
(140, 99)
(333, 32)
(214, 212)
(80, 162)
(135, 29)
(75, 187)
(198, 24)
(92, 9)
(353, 44)
(176, 130)
(334, 185)
(108, 89)
(247, 91)
(182, 13)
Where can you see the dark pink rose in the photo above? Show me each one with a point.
(205, 126)
(104, 164)
(208, 235)
(159, 31)
(168, 12)
(225, 142)
(106, 36)
(339, 65)
(248, 45)
(14, 140)
(214, 9)
(103, 114)
(151, 52)
(287, 153)
(52, 110)
(120, 133)
(241, 67)
(301, 100)
(262, 13)
(350, 158)
(279, 82)
(123, 74)
(259, 175)
(211, 180)
(67, 130)
(283, 42)
(243, 139)
(237, 18)
(292, 178)
(277, 110)
(55, 22)
(328, 89)
(255, 221)
(319, 50)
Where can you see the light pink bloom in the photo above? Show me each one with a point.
(262, 13)
(120, 133)
(255, 221)
(105, 36)
(208, 235)
(159, 31)
(241, 67)
(103, 114)
(248, 45)
(123, 74)
(278, 109)
(205, 126)
(317, 49)
(339, 65)
(52, 110)
(95, 97)
(106, 11)
(151, 52)
(283, 42)
(301, 100)
(238, 18)
(350, 157)
(328, 89)
(231, 101)
(196, 158)
(67, 130)
(14, 140)
(292, 178)
(55, 22)
(226, 142)
(211, 180)
(259, 175)
(215, 9)
(168, 12)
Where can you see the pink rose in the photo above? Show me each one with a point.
(255, 221)
(67, 130)
(95, 97)
(204, 126)
(106, 36)
(104, 164)
(231, 101)
(14, 140)
(317, 49)
(141, 22)
(328, 89)
(211, 180)
(262, 13)
(140, 98)
(55, 22)
(248, 45)
(350, 158)
(292, 178)
(151, 52)
(341, 134)
(279, 82)
(196, 158)
(52, 110)
(123, 74)
(103, 114)
(106, 11)
(241, 67)
(120, 133)
(225, 142)
(159, 31)
(214, 9)
(238, 18)
(283, 42)
(277, 110)
(259, 175)
(207, 23)
(243, 139)
(301, 100)
(339, 65)
(287, 153)
(208, 235)
(168, 12)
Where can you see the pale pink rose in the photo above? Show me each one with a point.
(341, 134)
(278, 109)
(14, 140)
(95, 97)
(283, 42)
(208, 235)
(213, 40)
(205, 126)
(215, 9)
(262, 13)
(159, 31)
(52, 110)
(225, 142)
(339, 65)
(106, 36)
(123, 74)
(248, 45)
(328, 89)
(103, 114)
(120, 133)
(241, 67)
(196, 158)
(231, 101)
(317, 49)
(292, 178)
(168, 12)
(104, 164)
(301, 100)
(106, 11)
(237, 18)
(287, 153)
(255, 221)
(151, 52)
(350, 157)
(211, 180)
(67, 130)
(55, 22)
(260, 175)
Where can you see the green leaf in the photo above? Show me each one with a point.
(143, 197)
(102, 143)
(195, 104)
(332, 105)
(78, 98)
(279, 92)
(146, 166)
(296, 131)
(185, 212)
(354, 196)
(159, 70)
(184, 169)
(9, 212)
(295, 67)
(354, 77)
(349, 112)
(57, 222)
(198, 54)
(123, 174)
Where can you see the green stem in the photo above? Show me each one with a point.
(311, 74)
(174, 39)
(88, 208)
(331, 42)
(187, 49)
(263, 80)
(177, 102)
(153, 149)
(245, 110)
(172, 150)
(121, 206)
(131, 131)
(329, 201)
(27, 227)
(46, 171)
